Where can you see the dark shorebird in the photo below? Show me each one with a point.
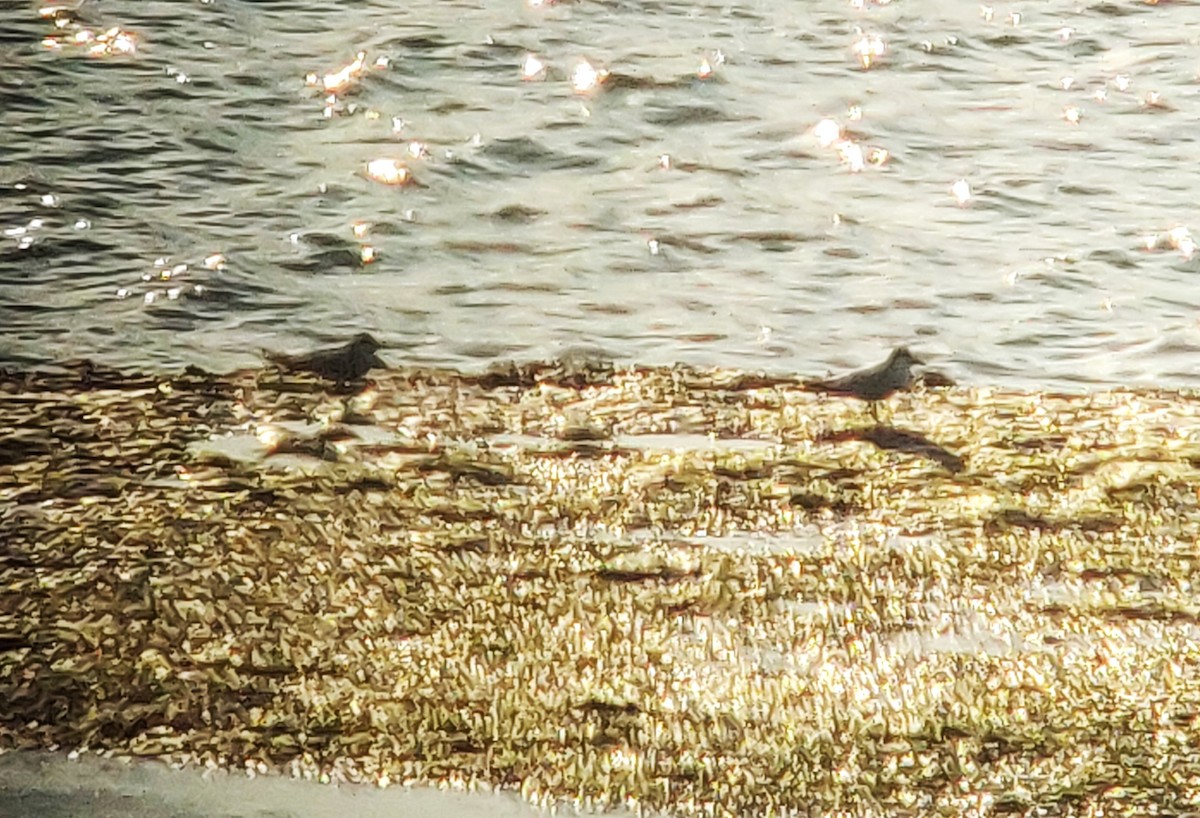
(345, 363)
(874, 384)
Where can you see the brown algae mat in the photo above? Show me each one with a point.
(681, 591)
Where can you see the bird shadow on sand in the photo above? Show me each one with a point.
(893, 439)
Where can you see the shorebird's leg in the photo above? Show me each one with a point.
(874, 410)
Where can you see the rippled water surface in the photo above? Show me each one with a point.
(186, 189)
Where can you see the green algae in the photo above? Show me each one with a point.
(700, 592)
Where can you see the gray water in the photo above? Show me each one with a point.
(50, 785)
(543, 221)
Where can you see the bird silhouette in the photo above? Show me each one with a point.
(349, 362)
(875, 383)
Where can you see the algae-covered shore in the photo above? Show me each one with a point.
(698, 592)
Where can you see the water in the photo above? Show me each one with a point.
(48, 785)
(543, 220)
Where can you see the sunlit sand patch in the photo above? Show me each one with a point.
(965, 632)
(268, 436)
(389, 171)
(805, 539)
(692, 442)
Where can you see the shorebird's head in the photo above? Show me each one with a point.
(903, 357)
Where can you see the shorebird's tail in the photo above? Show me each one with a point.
(833, 387)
